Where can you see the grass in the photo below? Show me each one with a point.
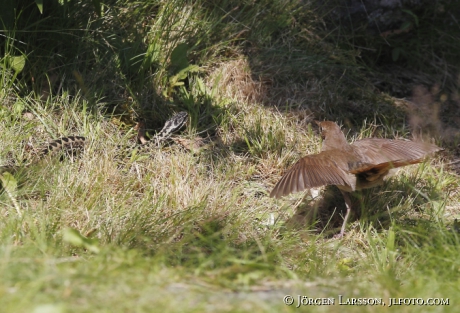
(193, 230)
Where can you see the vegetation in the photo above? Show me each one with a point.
(191, 227)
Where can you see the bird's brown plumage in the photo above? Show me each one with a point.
(362, 164)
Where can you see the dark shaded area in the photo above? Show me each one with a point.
(347, 52)
(332, 59)
(87, 54)
(410, 48)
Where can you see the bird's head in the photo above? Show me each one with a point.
(333, 138)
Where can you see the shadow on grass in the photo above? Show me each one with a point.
(396, 202)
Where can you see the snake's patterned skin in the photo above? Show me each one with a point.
(171, 126)
(65, 143)
(71, 144)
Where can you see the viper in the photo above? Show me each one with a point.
(73, 144)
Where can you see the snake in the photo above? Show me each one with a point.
(72, 144)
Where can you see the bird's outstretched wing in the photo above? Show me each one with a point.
(377, 154)
(312, 171)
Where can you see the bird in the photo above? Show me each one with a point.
(360, 165)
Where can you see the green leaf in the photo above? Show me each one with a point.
(18, 107)
(9, 183)
(415, 17)
(73, 237)
(179, 57)
(201, 86)
(176, 79)
(39, 4)
(16, 63)
(345, 265)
